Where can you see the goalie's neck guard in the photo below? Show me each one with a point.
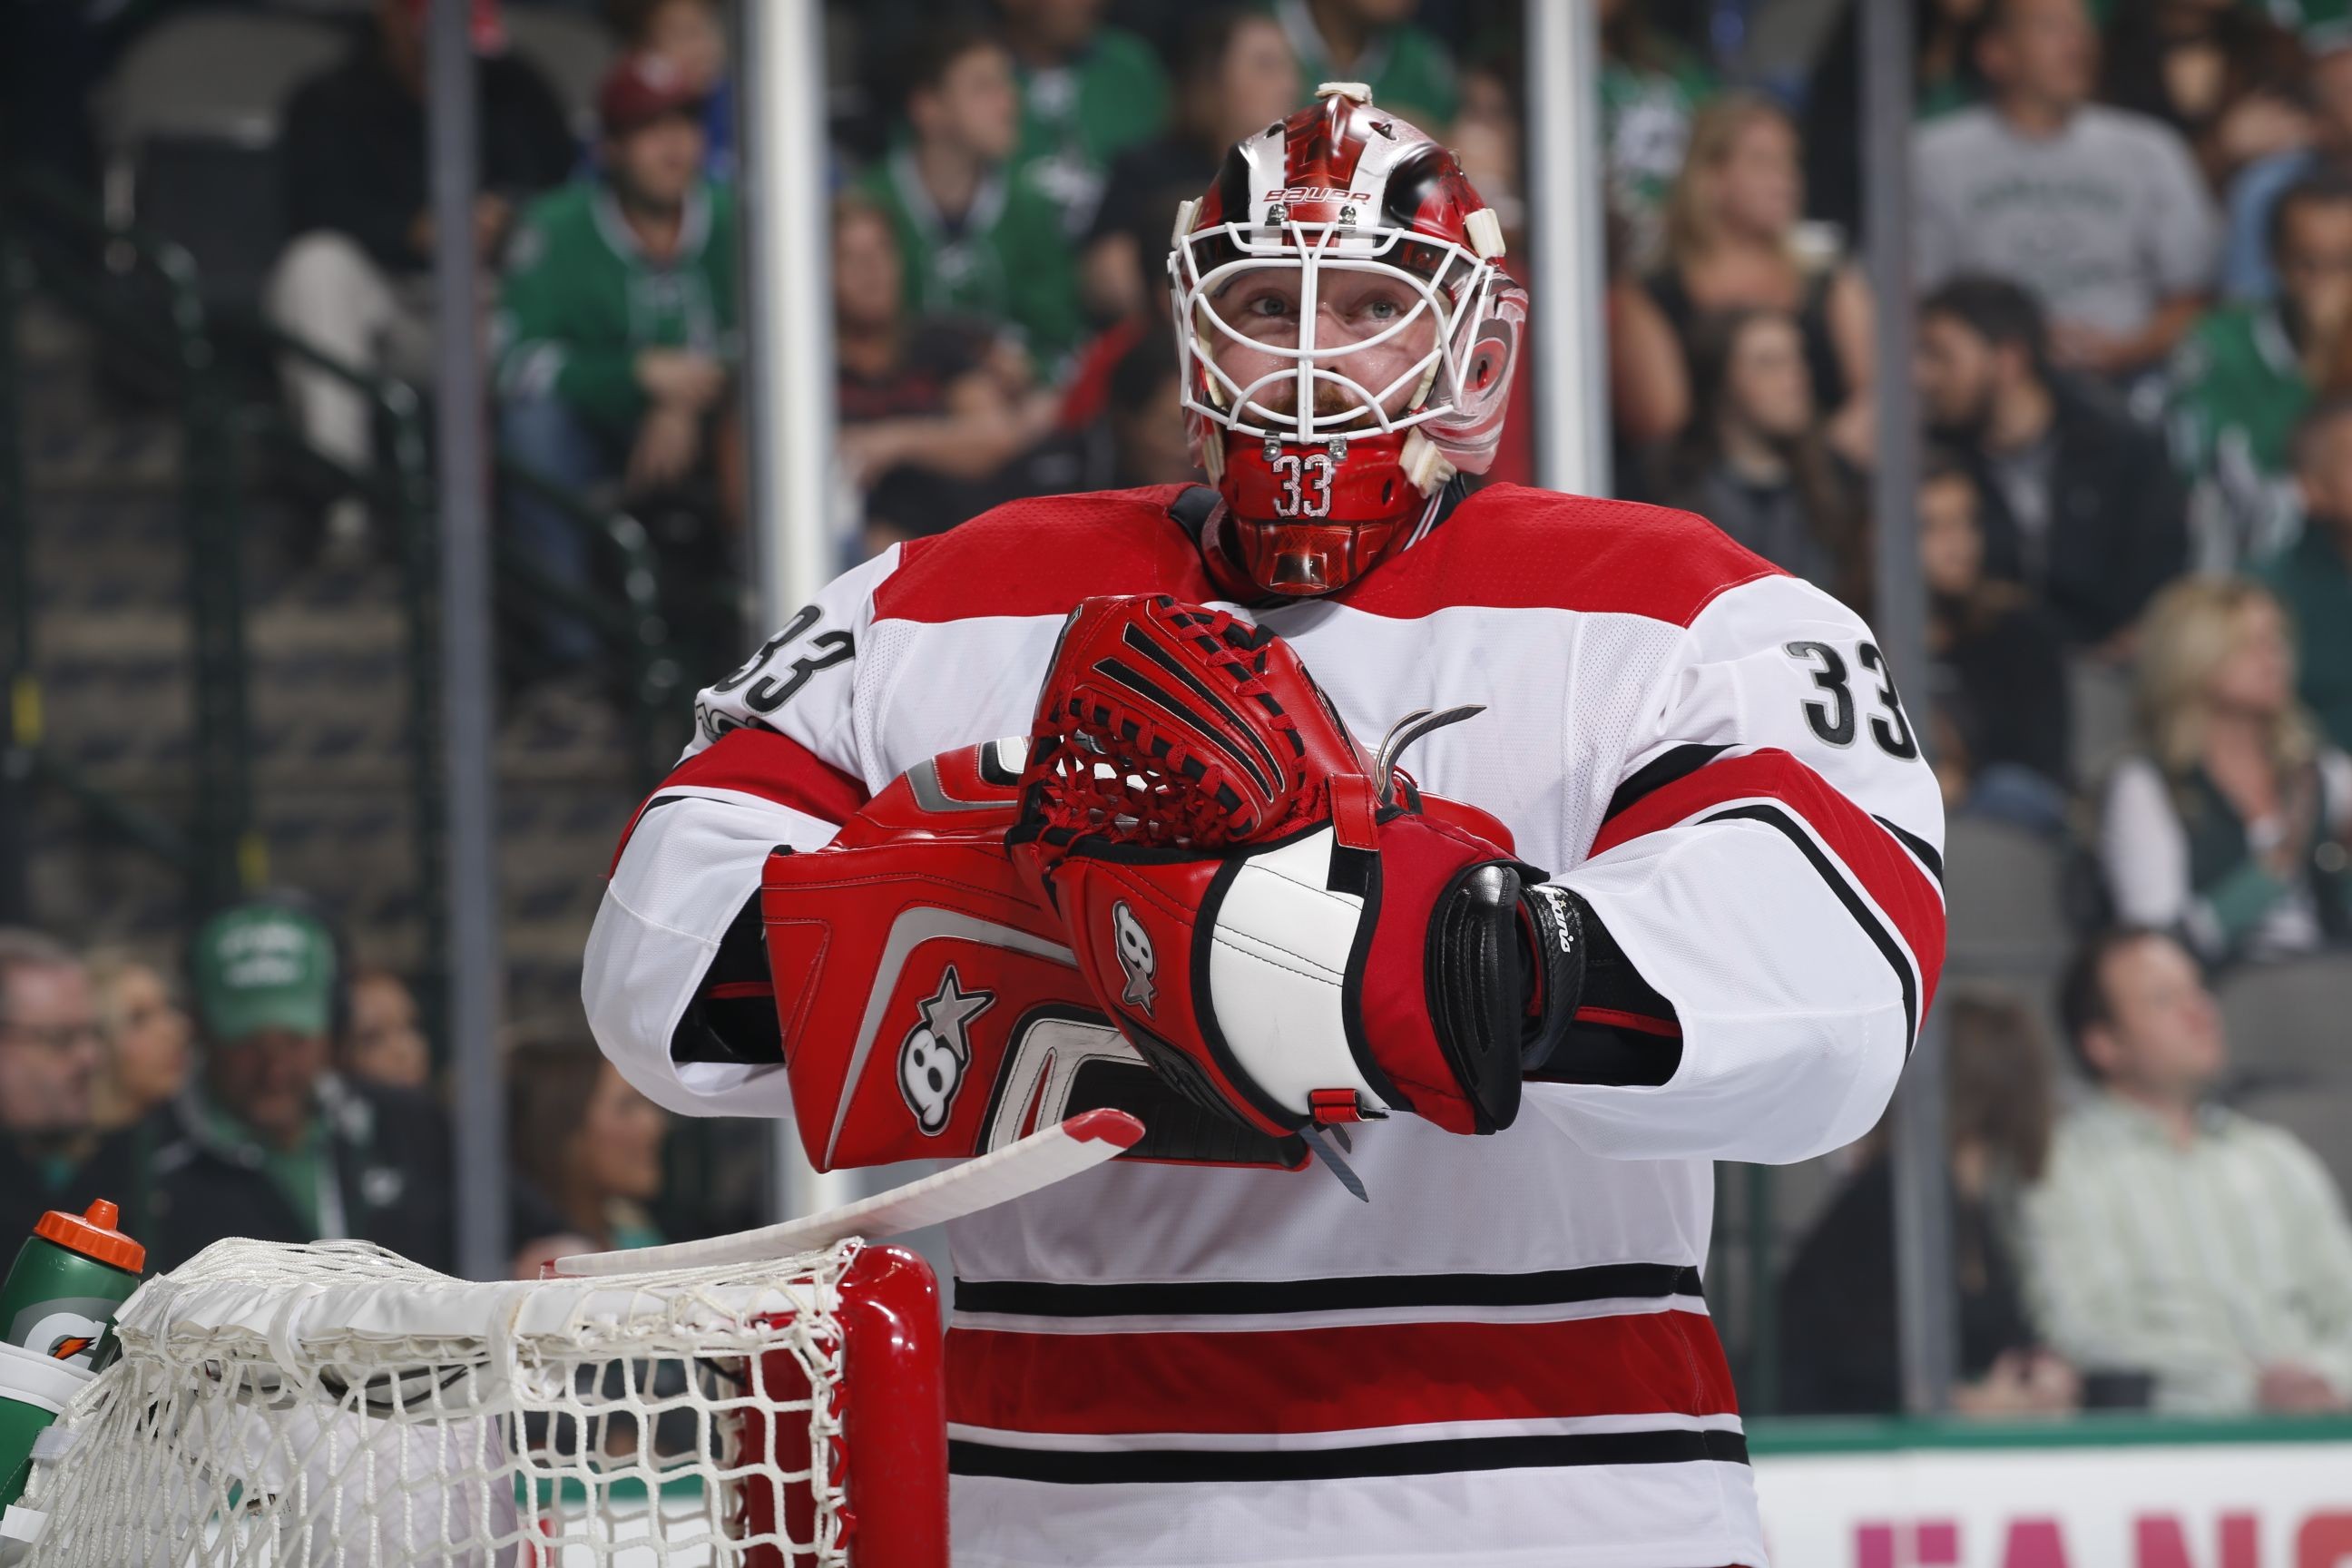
(1375, 362)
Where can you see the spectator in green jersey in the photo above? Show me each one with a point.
(978, 236)
(616, 322)
(1087, 93)
(2247, 373)
(2313, 577)
(268, 1140)
(1650, 90)
(1373, 42)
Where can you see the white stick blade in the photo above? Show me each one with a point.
(1048, 1155)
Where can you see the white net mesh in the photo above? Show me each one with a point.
(335, 1405)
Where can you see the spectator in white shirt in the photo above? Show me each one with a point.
(2099, 213)
(2173, 1237)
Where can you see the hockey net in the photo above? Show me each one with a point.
(333, 1405)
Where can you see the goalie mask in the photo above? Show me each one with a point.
(1347, 337)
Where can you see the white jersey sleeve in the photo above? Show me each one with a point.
(778, 757)
(1770, 865)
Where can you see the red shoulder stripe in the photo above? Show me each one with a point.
(1041, 556)
(1510, 547)
(763, 763)
(1876, 859)
(1337, 1379)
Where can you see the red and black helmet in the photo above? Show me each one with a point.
(1318, 490)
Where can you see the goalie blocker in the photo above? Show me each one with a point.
(927, 1006)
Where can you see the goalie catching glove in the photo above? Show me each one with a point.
(1280, 922)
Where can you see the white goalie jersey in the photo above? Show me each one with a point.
(1504, 1357)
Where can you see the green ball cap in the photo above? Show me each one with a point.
(263, 968)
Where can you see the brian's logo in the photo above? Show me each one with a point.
(936, 1052)
(1135, 955)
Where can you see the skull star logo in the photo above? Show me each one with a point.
(934, 1056)
(1137, 962)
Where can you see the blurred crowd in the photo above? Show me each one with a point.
(258, 1085)
(2133, 238)
(2132, 242)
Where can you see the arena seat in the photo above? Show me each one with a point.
(188, 125)
(2292, 1020)
(2001, 898)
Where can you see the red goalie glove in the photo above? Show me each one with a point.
(1277, 919)
(928, 1002)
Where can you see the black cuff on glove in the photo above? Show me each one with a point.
(1507, 969)
(1511, 961)
(1475, 964)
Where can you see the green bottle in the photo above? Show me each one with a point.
(57, 1304)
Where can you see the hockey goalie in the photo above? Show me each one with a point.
(1445, 875)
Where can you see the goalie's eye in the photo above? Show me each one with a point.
(1375, 302)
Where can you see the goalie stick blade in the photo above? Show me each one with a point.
(1048, 1155)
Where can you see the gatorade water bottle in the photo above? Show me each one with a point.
(59, 1302)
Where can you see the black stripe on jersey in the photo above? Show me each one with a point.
(1237, 1298)
(1661, 771)
(1670, 1445)
(1917, 846)
(1773, 816)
